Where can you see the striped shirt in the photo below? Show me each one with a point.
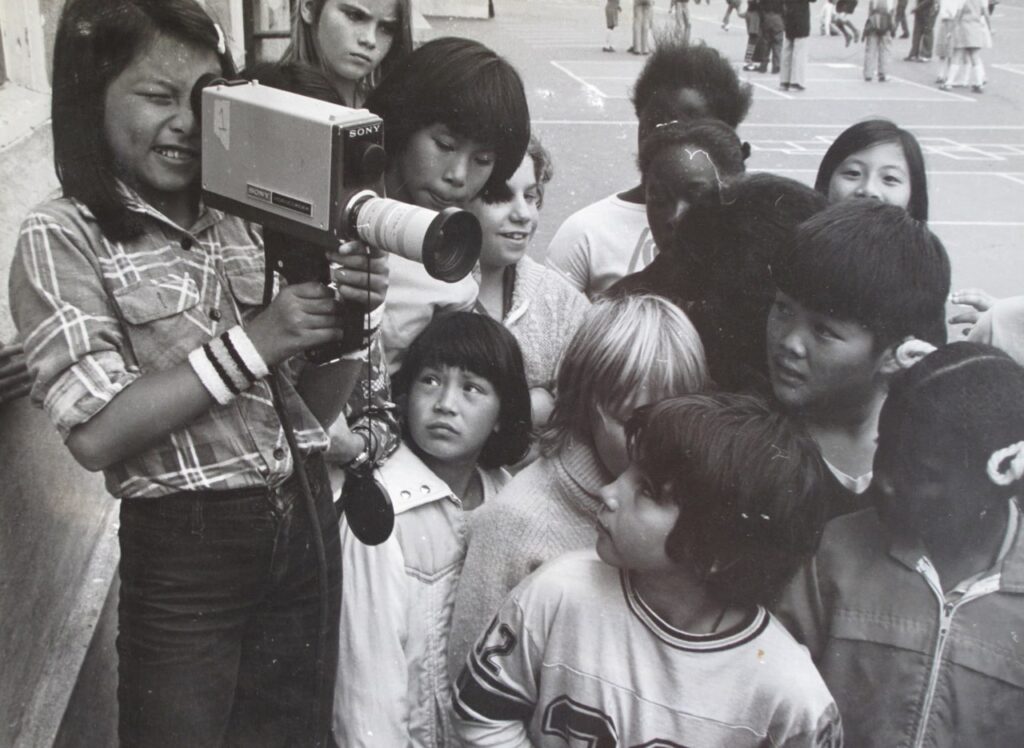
(96, 315)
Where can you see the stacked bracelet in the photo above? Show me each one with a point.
(228, 365)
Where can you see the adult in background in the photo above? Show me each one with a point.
(641, 27)
(925, 13)
(772, 29)
(796, 17)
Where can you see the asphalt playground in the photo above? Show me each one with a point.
(973, 143)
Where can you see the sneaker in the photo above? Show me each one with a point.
(725, 27)
(922, 58)
(784, 86)
(940, 80)
(882, 79)
(796, 87)
(911, 58)
(944, 86)
(868, 78)
(752, 66)
(977, 89)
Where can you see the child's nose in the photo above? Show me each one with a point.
(445, 402)
(368, 36)
(792, 342)
(455, 174)
(185, 120)
(869, 187)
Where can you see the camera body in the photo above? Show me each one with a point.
(310, 172)
(288, 162)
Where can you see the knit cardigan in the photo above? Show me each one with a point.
(545, 313)
(548, 509)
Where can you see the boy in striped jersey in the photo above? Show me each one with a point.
(666, 642)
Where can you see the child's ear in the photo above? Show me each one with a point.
(888, 362)
(306, 11)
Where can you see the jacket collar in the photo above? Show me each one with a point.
(909, 550)
(410, 483)
(134, 202)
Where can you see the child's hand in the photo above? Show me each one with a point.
(978, 300)
(360, 272)
(15, 380)
(301, 317)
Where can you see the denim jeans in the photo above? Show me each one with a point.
(219, 615)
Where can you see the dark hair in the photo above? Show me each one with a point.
(862, 135)
(302, 47)
(543, 171)
(967, 399)
(872, 263)
(675, 66)
(747, 481)
(724, 248)
(711, 135)
(296, 77)
(96, 40)
(479, 344)
(465, 86)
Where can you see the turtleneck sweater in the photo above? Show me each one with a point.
(546, 510)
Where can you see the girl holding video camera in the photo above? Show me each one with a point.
(141, 312)
(455, 121)
(355, 42)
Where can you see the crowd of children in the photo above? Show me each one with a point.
(768, 505)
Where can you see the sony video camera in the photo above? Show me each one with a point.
(309, 171)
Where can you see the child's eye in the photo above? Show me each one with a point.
(850, 173)
(354, 14)
(781, 308)
(825, 332)
(156, 98)
(388, 27)
(428, 379)
(444, 145)
(532, 196)
(892, 179)
(484, 159)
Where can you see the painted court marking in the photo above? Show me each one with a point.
(892, 90)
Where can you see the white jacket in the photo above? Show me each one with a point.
(396, 603)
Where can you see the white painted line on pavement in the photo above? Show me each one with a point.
(588, 86)
(800, 125)
(933, 89)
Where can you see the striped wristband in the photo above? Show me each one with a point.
(228, 365)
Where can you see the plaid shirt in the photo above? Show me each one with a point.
(96, 315)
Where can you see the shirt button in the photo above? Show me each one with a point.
(405, 494)
(278, 454)
(186, 243)
(215, 314)
(424, 489)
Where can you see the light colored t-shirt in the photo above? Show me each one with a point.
(575, 655)
(601, 243)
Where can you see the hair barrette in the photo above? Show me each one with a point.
(1006, 465)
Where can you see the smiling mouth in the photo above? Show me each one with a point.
(516, 236)
(176, 154)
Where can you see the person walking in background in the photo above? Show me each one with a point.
(772, 29)
(730, 6)
(901, 18)
(755, 46)
(925, 13)
(641, 27)
(878, 32)
(796, 17)
(611, 17)
(947, 15)
(844, 20)
(681, 10)
(971, 34)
